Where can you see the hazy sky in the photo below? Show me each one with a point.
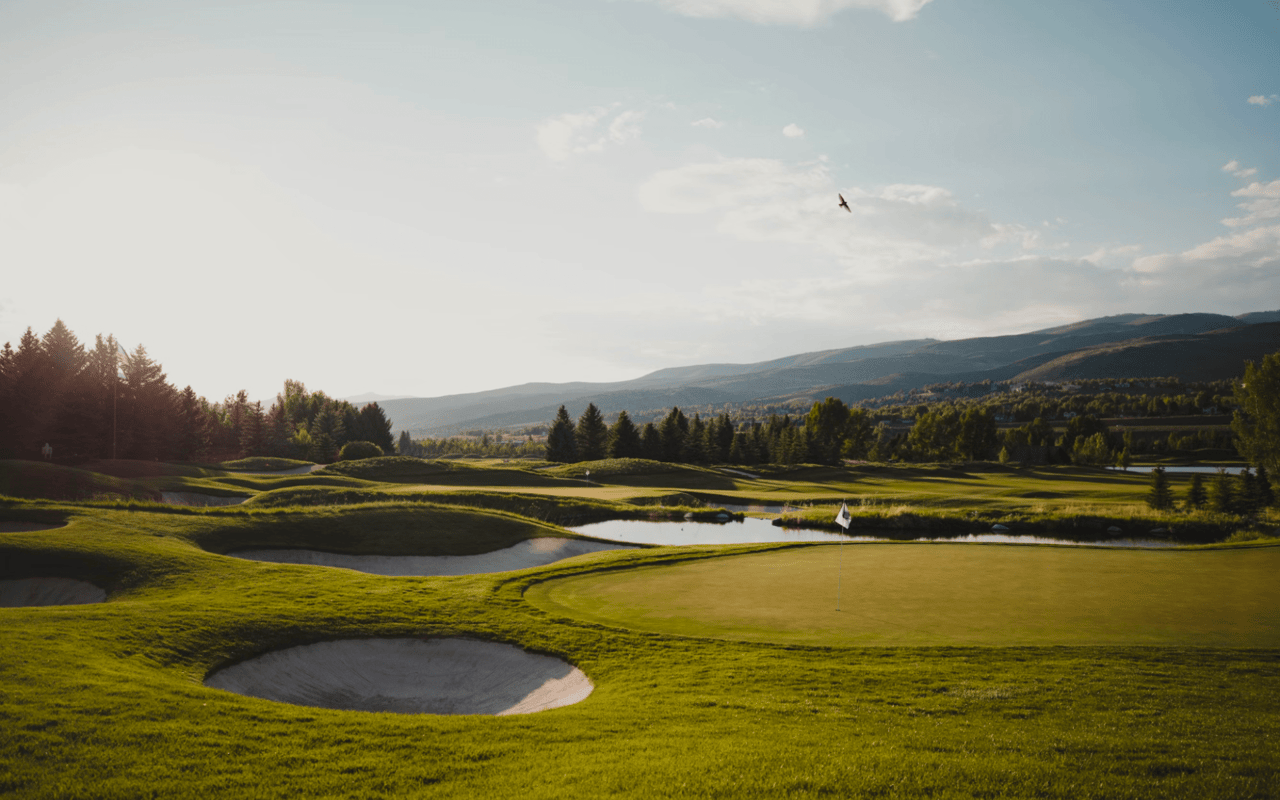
(430, 198)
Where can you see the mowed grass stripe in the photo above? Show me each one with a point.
(943, 594)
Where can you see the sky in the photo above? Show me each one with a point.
(421, 199)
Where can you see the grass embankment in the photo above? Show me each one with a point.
(944, 594)
(37, 479)
(106, 700)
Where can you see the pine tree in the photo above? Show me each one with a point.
(695, 444)
(1266, 496)
(624, 438)
(1247, 500)
(1159, 497)
(591, 435)
(372, 425)
(672, 431)
(1196, 497)
(1220, 494)
(650, 442)
(561, 445)
(405, 444)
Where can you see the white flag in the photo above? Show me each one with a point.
(844, 517)
(122, 360)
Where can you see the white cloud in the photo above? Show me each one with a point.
(707, 122)
(1263, 204)
(1263, 100)
(793, 131)
(765, 200)
(801, 13)
(587, 131)
(1234, 168)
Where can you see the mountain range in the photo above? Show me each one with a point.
(1192, 347)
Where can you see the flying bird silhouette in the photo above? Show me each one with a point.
(843, 204)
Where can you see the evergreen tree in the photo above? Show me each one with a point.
(1266, 496)
(1247, 500)
(672, 432)
(1221, 497)
(562, 446)
(405, 444)
(826, 423)
(1159, 497)
(252, 431)
(372, 425)
(695, 444)
(591, 435)
(1196, 497)
(327, 434)
(650, 442)
(624, 438)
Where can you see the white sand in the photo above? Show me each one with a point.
(522, 555)
(197, 499)
(409, 676)
(48, 592)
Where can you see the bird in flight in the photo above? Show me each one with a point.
(843, 204)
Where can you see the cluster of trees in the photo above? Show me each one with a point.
(100, 402)
(484, 445)
(1246, 493)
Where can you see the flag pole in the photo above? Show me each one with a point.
(843, 518)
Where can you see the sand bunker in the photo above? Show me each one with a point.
(48, 592)
(409, 676)
(197, 499)
(529, 553)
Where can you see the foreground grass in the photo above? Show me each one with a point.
(107, 701)
(943, 594)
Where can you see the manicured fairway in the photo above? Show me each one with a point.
(943, 594)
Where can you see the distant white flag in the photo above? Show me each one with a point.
(844, 517)
(122, 360)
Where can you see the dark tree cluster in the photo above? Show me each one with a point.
(830, 432)
(99, 402)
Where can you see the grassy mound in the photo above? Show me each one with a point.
(404, 530)
(647, 473)
(132, 469)
(406, 469)
(37, 479)
(263, 464)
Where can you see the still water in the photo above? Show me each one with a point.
(754, 530)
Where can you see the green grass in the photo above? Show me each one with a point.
(107, 701)
(263, 464)
(944, 594)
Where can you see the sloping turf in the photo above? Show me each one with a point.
(943, 594)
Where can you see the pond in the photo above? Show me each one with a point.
(753, 530)
(1204, 468)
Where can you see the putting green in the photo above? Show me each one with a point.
(943, 594)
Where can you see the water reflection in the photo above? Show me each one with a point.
(753, 530)
(1202, 468)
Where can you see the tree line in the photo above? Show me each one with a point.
(100, 402)
(832, 431)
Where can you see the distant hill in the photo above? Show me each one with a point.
(1188, 346)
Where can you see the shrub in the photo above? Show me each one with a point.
(352, 451)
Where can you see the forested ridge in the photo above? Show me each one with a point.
(100, 402)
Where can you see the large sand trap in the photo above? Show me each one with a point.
(522, 555)
(197, 499)
(48, 592)
(409, 676)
